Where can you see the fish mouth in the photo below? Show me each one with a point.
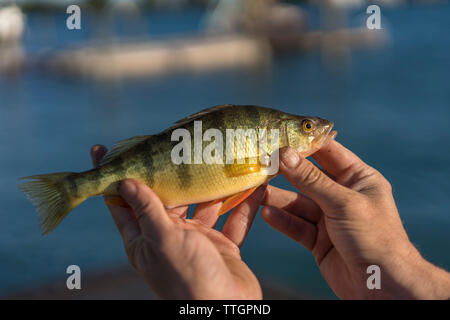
(325, 137)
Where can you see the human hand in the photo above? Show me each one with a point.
(348, 218)
(183, 258)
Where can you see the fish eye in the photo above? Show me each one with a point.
(307, 125)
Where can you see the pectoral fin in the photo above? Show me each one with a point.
(234, 200)
(116, 201)
(236, 170)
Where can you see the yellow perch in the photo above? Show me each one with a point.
(219, 154)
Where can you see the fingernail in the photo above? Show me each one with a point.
(290, 158)
(95, 148)
(269, 212)
(126, 188)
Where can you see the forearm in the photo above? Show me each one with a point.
(433, 282)
(413, 277)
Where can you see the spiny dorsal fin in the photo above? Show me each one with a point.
(120, 147)
(202, 113)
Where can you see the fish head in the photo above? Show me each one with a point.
(309, 134)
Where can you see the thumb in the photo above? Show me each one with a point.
(311, 181)
(148, 208)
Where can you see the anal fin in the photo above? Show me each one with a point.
(213, 202)
(235, 200)
(116, 201)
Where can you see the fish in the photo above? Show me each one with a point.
(186, 163)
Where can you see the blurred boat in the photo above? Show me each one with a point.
(238, 34)
(12, 24)
(12, 28)
(158, 57)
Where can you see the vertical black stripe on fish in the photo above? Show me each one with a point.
(182, 170)
(145, 150)
(217, 120)
(252, 114)
(184, 175)
(72, 183)
(118, 166)
(94, 176)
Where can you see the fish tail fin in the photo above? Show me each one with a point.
(53, 197)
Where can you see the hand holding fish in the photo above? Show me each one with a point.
(349, 220)
(183, 258)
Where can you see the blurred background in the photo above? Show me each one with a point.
(135, 67)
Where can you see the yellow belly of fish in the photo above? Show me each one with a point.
(206, 183)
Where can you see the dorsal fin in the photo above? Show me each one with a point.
(202, 113)
(120, 147)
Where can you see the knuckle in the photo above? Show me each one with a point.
(133, 250)
(380, 182)
(142, 206)
(309, 175)
(267, 195)
(385, 184)
(242, 218)
(286, 224)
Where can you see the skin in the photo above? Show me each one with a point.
(346, 216)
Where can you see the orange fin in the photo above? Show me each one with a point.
(213, 202)
(234, 200)
(116, 201)
(208, 204)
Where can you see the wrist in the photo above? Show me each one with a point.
(410, 276)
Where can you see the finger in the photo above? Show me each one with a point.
(148, 208)
(323, 243)
(126, 223)
(311, 181)
(97, 153)
(350, 170)
(294, 227)
(336, 159)
(180, 212)
(241, 218)
(293, 202)
(123, 218)
(207, 213)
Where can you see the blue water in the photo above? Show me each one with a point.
(391, 106)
